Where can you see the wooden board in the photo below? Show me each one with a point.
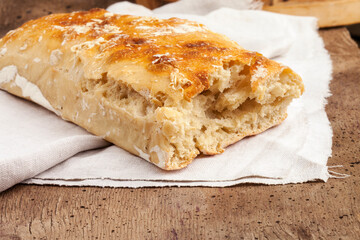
(329, 12)
(306, 211)
(303, 211)
(13, 13)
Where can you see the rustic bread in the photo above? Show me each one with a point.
(165, 90)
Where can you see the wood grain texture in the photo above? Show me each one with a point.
(303, 211)
(13, 13)
(330, 13)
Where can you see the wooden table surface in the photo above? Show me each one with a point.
(306, 211)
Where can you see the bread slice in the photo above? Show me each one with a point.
(165, 90)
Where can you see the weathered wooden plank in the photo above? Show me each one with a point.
(15, 12)
(306, 211)
(329, 12)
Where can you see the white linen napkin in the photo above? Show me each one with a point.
(33, 139)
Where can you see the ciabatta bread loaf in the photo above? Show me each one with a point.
(165, 90)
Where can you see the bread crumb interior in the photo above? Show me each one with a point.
(225, 113)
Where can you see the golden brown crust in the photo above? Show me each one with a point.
(184, 51)
(140, 82)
